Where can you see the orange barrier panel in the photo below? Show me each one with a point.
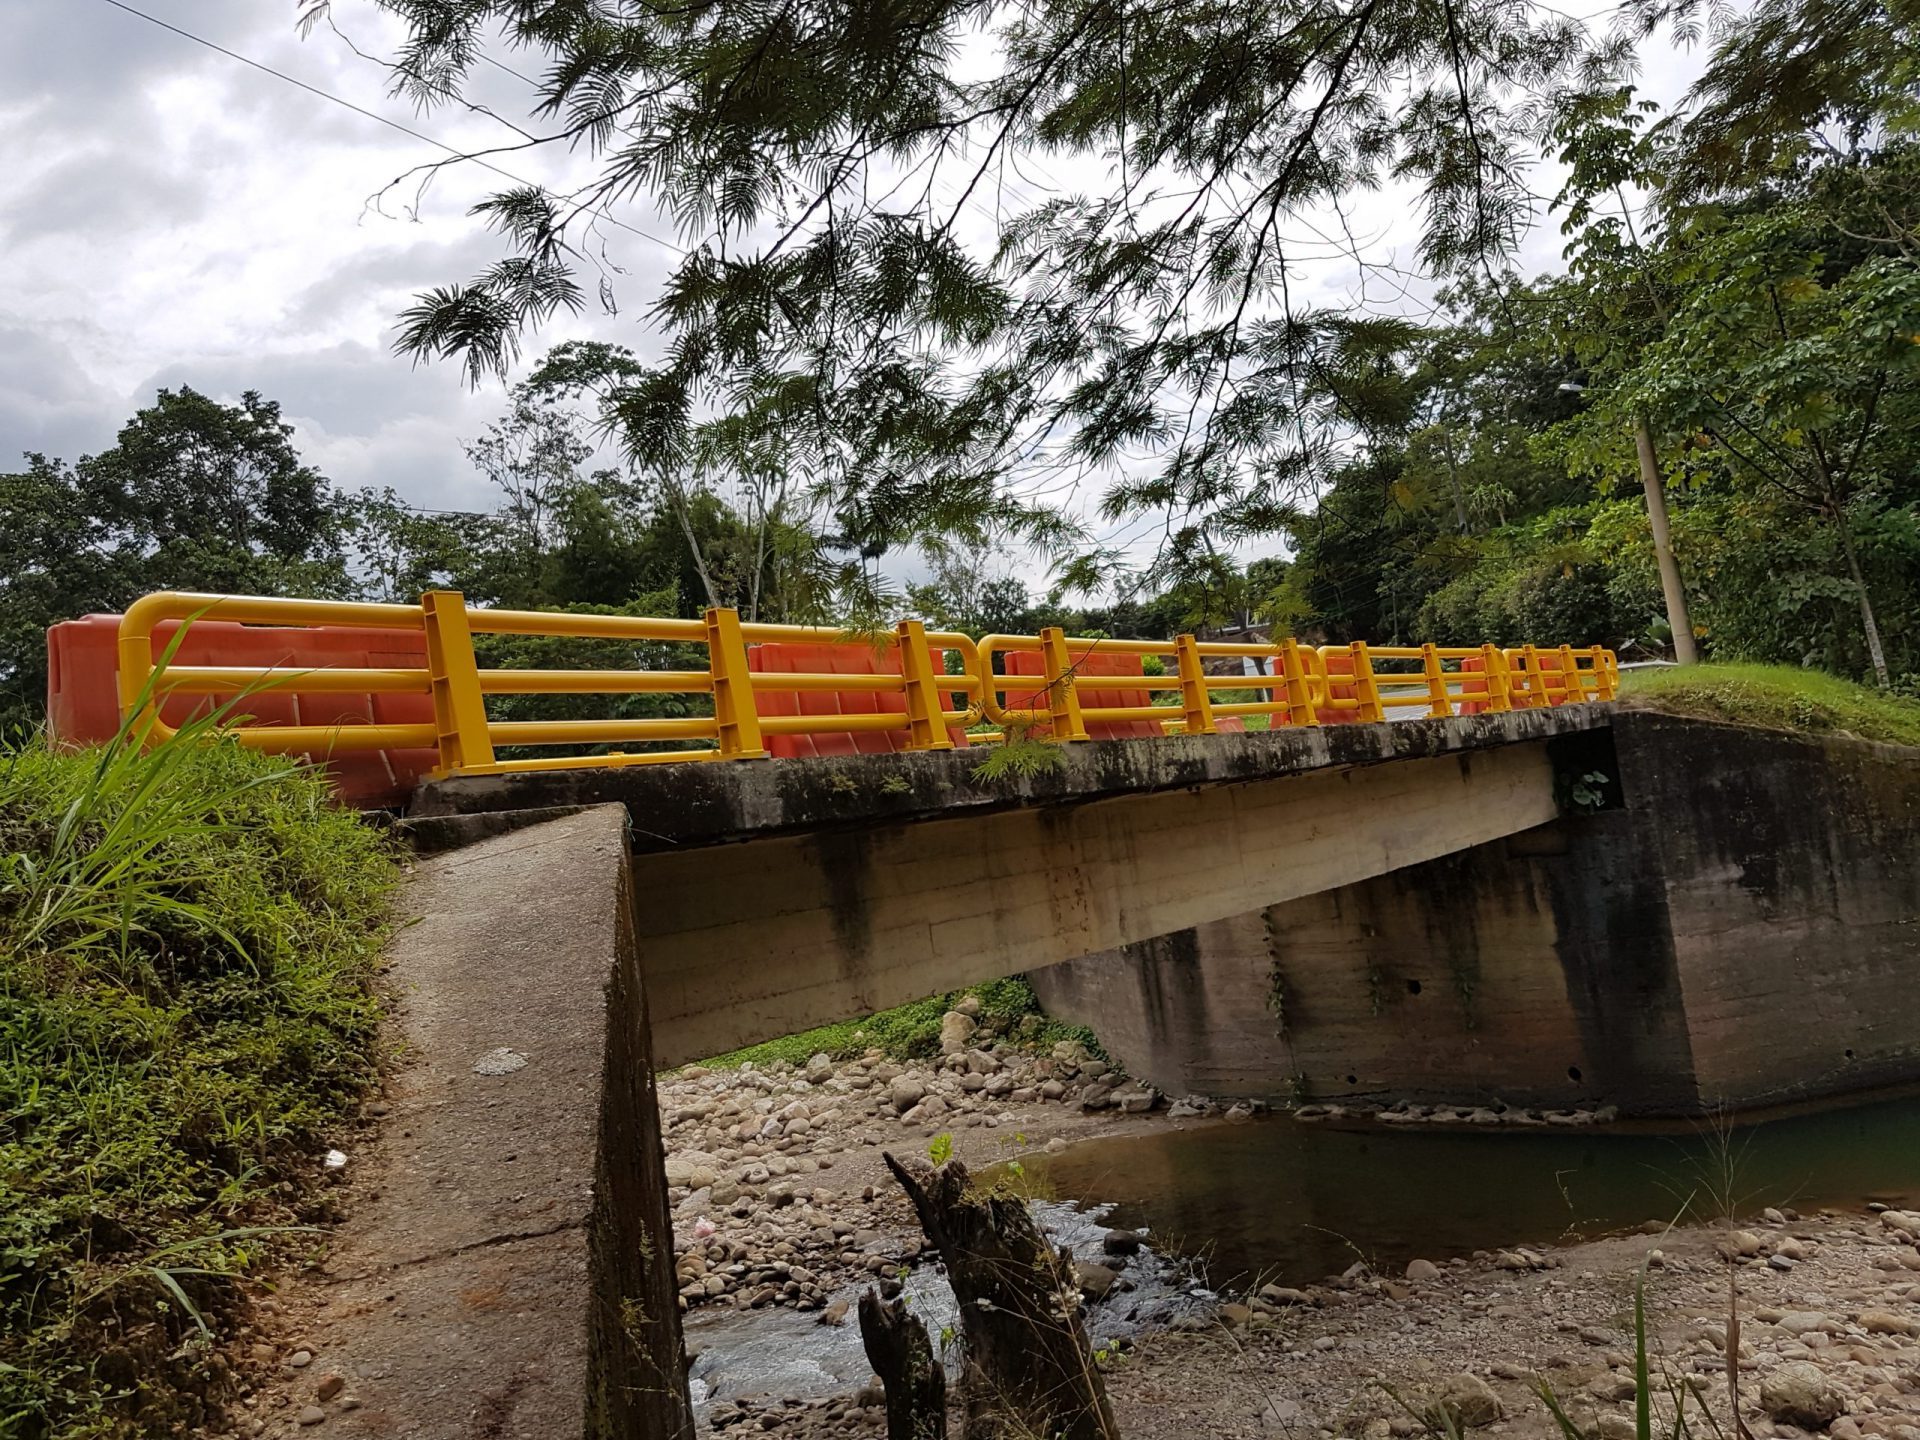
(83, 705)
(849, 659)
(1089, 660)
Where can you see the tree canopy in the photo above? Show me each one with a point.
(934, 254)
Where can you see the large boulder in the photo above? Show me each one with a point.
(955, 1030)
(1468, 1401)
(1095, 1280)
(1801, 1393)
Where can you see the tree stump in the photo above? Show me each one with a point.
(1030, 1370)
(902, 1356)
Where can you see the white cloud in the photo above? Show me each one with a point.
(173, 216)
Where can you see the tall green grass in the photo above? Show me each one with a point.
(189, 936)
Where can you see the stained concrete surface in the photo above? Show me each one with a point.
(467, 1294)
(1741, 928)
(678, 806)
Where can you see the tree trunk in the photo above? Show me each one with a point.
(902, 1356)
(1875, 652)
(1678, 620)
(1030, 1370)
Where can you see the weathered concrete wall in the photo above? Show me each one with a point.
(508, 1267)
(675, 807)
(744, 942)
(1745, 931)
(1793, 902)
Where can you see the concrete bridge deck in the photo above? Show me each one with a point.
(783, 894)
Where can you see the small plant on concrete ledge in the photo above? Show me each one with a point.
(1021, 756)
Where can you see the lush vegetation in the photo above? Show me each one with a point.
(1779, 698)
(912, 1032)
(1740, 288)
(189, 939)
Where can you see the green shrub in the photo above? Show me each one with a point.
(189, 938)
(912, 1032)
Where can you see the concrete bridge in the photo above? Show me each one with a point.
(1555, 903)
(786, 894)
(1422, 905)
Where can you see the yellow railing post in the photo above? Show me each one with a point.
(1062, 700)
(459, 709)
(1602, 676)
(1438, 705)
(1299, 684)
(1499, 692)
(733, 708)
(1536, 690)
(1366, 687)
(926, 712)
(135, 666)
(1194, 698)
(1573, 688)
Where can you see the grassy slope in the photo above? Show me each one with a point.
(913, 1031)
(188, 943)
(1779, 698)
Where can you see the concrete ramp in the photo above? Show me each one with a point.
(496, 1276)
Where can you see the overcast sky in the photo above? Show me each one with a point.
(172, 216)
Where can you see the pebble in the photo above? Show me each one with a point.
(311, 1415)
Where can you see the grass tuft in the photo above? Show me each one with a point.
(1776, 697)
(912, 1032)
(189, 936)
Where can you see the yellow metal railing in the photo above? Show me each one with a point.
(1300, 684)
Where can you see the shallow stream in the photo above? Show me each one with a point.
(1291, 1202)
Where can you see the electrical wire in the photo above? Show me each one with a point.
(377, 117)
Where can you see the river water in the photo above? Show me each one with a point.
(1274, 1199)
(1291, 1202)
(790, 1353)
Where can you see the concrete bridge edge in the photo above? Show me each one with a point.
(506, 1267)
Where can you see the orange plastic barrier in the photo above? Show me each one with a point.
(1338, 666)
(1089, 659)
(847, 659)
(83, 706)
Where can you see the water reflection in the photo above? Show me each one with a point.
(1293, 1202)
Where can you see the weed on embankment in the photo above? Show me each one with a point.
(1777, 697)
(910, 1032)
(189, 937)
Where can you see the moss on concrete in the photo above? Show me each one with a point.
(1777, 697)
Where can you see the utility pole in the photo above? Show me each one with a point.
(1684, 649)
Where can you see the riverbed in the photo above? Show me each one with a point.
(1227, 1207)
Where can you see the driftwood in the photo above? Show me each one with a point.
(1030, 1370)
(902, 1356)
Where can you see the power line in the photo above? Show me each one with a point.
(454, 151)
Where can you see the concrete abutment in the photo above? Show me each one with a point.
(1741, 928)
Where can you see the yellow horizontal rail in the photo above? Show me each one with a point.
(945, 682)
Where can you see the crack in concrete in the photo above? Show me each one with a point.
(511, 1237)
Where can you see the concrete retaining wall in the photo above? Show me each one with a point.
(1745, 930)
(507, 1266)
